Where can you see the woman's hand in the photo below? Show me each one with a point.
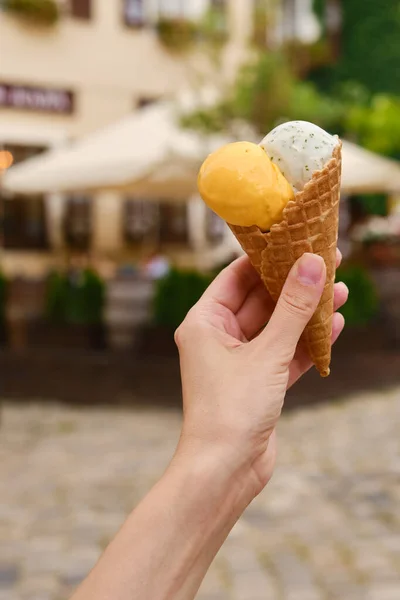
(235, 371)
(233, 394)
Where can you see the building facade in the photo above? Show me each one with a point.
(91, 63)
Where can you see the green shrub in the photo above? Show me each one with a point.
(266, 92)
(362, 304)
(176, 294)
(370, 49)
(78, 299)
(376, 124)
(56, 294)
(176, 35)
(42, 12)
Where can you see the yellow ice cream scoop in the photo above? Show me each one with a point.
(241, 184)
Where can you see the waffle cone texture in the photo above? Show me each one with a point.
(309, 224)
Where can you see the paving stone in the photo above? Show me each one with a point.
(9, 576)
(383, 592)
(326, 528)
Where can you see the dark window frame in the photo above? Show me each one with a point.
(16, 211)
(169, 237)
(74, 239)
(140, 23)
(81, 9)
(18, 224)
(149, 214)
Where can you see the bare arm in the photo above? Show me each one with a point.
(167, 544)
(233, 392)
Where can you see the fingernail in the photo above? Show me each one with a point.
(309, 269)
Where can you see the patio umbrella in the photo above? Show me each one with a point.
(146, 153)
(150, 155)
(366, 172)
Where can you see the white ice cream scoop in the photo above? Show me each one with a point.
(298, 149)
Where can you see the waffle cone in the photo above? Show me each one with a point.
(309, 224)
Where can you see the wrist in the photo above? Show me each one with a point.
(221, 476)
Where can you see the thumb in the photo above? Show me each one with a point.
(296, 305)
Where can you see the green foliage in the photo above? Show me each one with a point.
(362, 304)
(370, 49)
(41, 12)
(261, 24)
(56, 295)
(3, 297)
(77, 299)
(177, 35)
(319, 9)
(373, 204)
(213, 26)
(209, 121)
(262, 92)
(307, 104)
(377, 124)
(266, 93)
(176, 294)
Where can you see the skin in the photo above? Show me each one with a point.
(235, 373)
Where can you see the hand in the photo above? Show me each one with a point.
(235, 372)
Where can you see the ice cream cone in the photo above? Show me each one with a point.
(309, 224)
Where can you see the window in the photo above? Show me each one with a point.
(141, 220)
(173, 224)
(24, 223)
(146, 220)
(81, 9)
(78, 223)
(134, 13)
(174, 8)
(143, 102)
(21, 153)
(23, 218)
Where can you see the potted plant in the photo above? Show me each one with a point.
(39, 12)
(177, 35)
(362, 305)
(74, 309)
(174, 296)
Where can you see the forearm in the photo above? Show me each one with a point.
(167, 544)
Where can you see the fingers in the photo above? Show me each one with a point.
(296, 305)
(341, 293)
(255, 311)
(232, 286)
(302, 362)
(258, 307)
(338, 258)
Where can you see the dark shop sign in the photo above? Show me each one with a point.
(36, 99)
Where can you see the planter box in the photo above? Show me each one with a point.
(3, 334)
(153, 340)
(42, 334)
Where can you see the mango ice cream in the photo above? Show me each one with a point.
(241, 184)
(281, 199)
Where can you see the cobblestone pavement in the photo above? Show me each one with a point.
(327, 527)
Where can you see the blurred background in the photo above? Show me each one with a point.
(107, 110)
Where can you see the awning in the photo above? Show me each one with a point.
(366, 172)
(150, 155)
